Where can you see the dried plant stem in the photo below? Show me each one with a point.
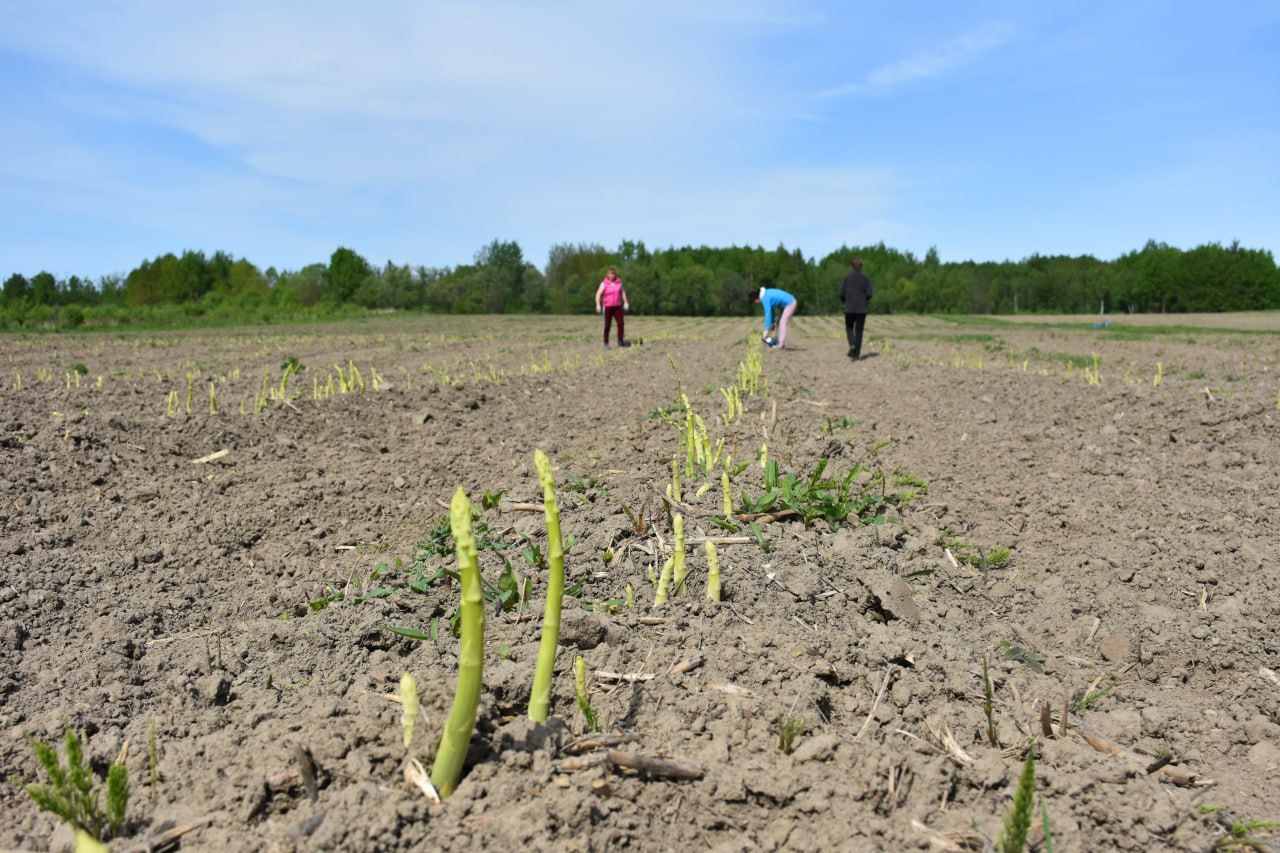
(888, 674)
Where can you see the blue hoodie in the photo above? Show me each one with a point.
(773, 299)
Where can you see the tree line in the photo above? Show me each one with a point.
(674, 281)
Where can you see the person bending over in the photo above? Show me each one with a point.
(780, 305)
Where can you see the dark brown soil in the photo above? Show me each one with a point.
(142, 589)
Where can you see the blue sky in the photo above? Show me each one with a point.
(417, 132)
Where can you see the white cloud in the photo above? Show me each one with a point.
(937, 62)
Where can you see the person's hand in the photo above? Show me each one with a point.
(626, 306)
(599, 310)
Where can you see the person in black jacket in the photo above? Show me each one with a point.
(855, 293)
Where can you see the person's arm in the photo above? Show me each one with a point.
(868, 289)
(768, 313)
(626, 303)
(599, 290)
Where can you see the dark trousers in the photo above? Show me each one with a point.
(611, 311)
(853, 326)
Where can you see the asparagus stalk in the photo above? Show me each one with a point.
(540, 699)
(447, 769)
(409, 705)
(679, 567)
(664, 583)
(713, 572)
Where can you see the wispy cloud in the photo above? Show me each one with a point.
(955, 54)
(417, 132)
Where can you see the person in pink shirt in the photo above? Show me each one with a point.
(611, 300)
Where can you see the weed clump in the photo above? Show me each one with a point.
(74, 794)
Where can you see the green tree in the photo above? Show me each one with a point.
(347, 271)
(44, 289)
(500, 267)
(16, 288)
(304, 288)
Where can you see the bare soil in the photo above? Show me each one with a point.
(147, 588)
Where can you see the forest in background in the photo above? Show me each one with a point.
(193, 288)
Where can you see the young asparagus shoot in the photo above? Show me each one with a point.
(540, 698)
(679, 567)
(713, 572)
(409, 706)
(447, 769)
(664, 583)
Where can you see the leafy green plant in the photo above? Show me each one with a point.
(1032, 659)
(507, 595)
(74, 795)
(818, 496)
(589, 486)
(411, 633)
(765, 545)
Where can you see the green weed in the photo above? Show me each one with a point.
(589, 486)
(1034, 660)
(1018, 821)
(589, 717)
(1092, 696)
(74, 795)
(789, 728)
(819, 497)
(842, 423)
(1240, 834)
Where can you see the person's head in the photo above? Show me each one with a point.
(613, 273)
(757, 296)
(856, 263)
